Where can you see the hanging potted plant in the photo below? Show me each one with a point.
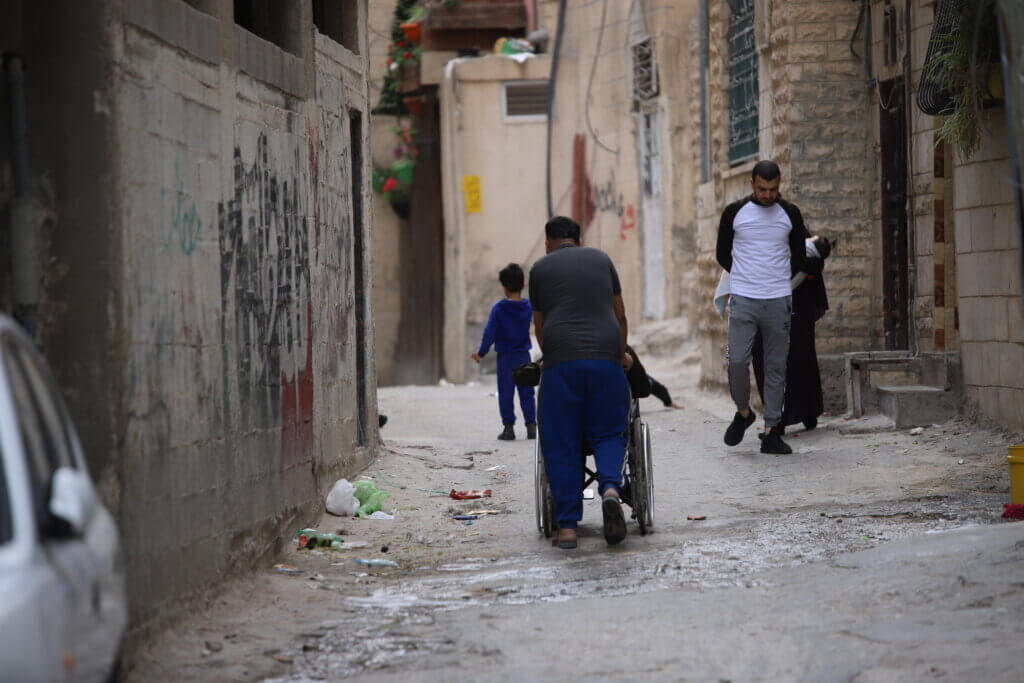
(395, 182)
(412, 27)
(966, 69)
(416, 104)
(396, 194)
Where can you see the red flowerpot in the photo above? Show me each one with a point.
(412, 31)
(416, 104)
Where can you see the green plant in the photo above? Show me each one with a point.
(961, 65)
(395, 182)
(390, 101)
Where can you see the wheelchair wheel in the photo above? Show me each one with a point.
(641, 484)
(648, 460)
(543, 503)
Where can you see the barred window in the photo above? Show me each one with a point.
(743, 86)
(645, 74)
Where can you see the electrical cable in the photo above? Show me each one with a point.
(560, 28)
(860, 24)
(590, 83)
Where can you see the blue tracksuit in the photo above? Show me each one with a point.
(508, 329)
(582, 400)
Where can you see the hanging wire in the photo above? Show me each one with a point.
(860, 25)
(590, 83)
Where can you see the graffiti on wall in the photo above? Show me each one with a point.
(185, 225)
(607, 198)
(265, 298)
(330, 180)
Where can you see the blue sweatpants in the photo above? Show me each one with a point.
(507, 362)
(582, 399)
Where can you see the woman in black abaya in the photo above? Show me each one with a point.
(802, 401)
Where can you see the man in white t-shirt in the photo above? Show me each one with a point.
(761, 245)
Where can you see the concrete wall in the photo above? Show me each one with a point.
(71, 169)
(201, 300)
(386, 224)
(508, 158)
(595, 102)
(988, 280)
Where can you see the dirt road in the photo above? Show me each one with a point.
(334, 618)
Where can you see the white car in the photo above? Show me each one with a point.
(62, 598)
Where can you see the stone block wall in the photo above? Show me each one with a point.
(827, 147)
(812, 113)
(988, 280)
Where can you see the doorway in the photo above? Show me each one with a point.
(895, 264)
(359, 271)
(418, 351)
(652, 212)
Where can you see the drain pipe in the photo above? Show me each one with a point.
(908, 113)
(552, 80)
(25, 265)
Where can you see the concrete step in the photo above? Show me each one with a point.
(868, 424)
(917, 405)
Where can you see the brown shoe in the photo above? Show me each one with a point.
(565, 539)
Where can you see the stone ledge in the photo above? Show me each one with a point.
(265, 61)
(178, 24)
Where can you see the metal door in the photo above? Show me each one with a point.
(895, 280)
(652, 213)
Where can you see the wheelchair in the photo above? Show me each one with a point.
(637, 489)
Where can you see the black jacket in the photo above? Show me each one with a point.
(723, 252)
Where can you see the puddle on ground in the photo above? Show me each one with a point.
(393, 626)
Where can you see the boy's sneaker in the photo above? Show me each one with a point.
(508, 434)
(734, 434)
(531, 430)
(773, 443)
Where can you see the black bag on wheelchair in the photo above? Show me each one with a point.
(527, 374)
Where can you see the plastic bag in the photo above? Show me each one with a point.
(341, 500)
(370, 498)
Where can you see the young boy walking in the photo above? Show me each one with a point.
(508, 328)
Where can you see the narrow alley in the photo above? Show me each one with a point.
(810, 566)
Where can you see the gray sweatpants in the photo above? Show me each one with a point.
(772, 317)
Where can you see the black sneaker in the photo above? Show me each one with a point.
(507, 434)
(734, 434)
(773, 443)
(531, 430)
(614, 520)
(810, 423)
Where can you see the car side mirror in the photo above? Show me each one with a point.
(72, 502)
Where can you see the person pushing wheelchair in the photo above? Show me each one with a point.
(580, 322)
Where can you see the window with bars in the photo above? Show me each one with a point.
(526, 99)
(743, 85)
(645, 73)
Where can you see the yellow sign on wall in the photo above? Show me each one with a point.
(472, 193)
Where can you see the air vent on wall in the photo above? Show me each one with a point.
(526, 99)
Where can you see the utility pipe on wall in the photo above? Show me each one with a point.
(25, 262)
(552, 80)
(908, 112)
